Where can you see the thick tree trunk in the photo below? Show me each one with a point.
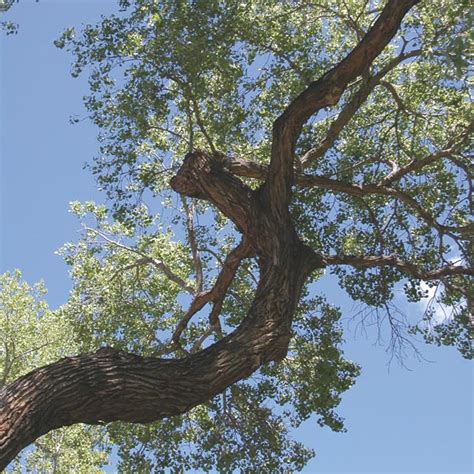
(111, 385)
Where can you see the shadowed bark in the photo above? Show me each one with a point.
(111, 385)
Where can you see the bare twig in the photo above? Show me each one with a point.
(146, 259)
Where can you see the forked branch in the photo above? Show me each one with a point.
(350, 109)
(216, 294)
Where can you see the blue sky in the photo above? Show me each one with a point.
(398, 420)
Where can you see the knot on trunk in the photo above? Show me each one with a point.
(202, 175)
(196, 165)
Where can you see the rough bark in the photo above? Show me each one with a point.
(112, 385)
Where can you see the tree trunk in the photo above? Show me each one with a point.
(111, 385)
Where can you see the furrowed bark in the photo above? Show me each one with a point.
(112, 385)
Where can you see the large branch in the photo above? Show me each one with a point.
(351, 108)
(250, 169)
(325, 92)
(111, 385)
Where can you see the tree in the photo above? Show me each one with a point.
(350, 190)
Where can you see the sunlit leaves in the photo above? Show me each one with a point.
(120, 297)
(30, 333)
(315, 373)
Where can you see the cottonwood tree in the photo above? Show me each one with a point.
(247, 148)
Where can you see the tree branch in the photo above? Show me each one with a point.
(398, 100)
(112, 385)
(351, 108)
(217, 293)
(417, 164)
(189, 211)
(341, 121)
(249, 169)
(200, 123)
(325, 92)
(402, 265)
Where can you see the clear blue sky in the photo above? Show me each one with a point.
(399, 421)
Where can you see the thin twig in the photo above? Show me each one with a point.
(157, 263)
